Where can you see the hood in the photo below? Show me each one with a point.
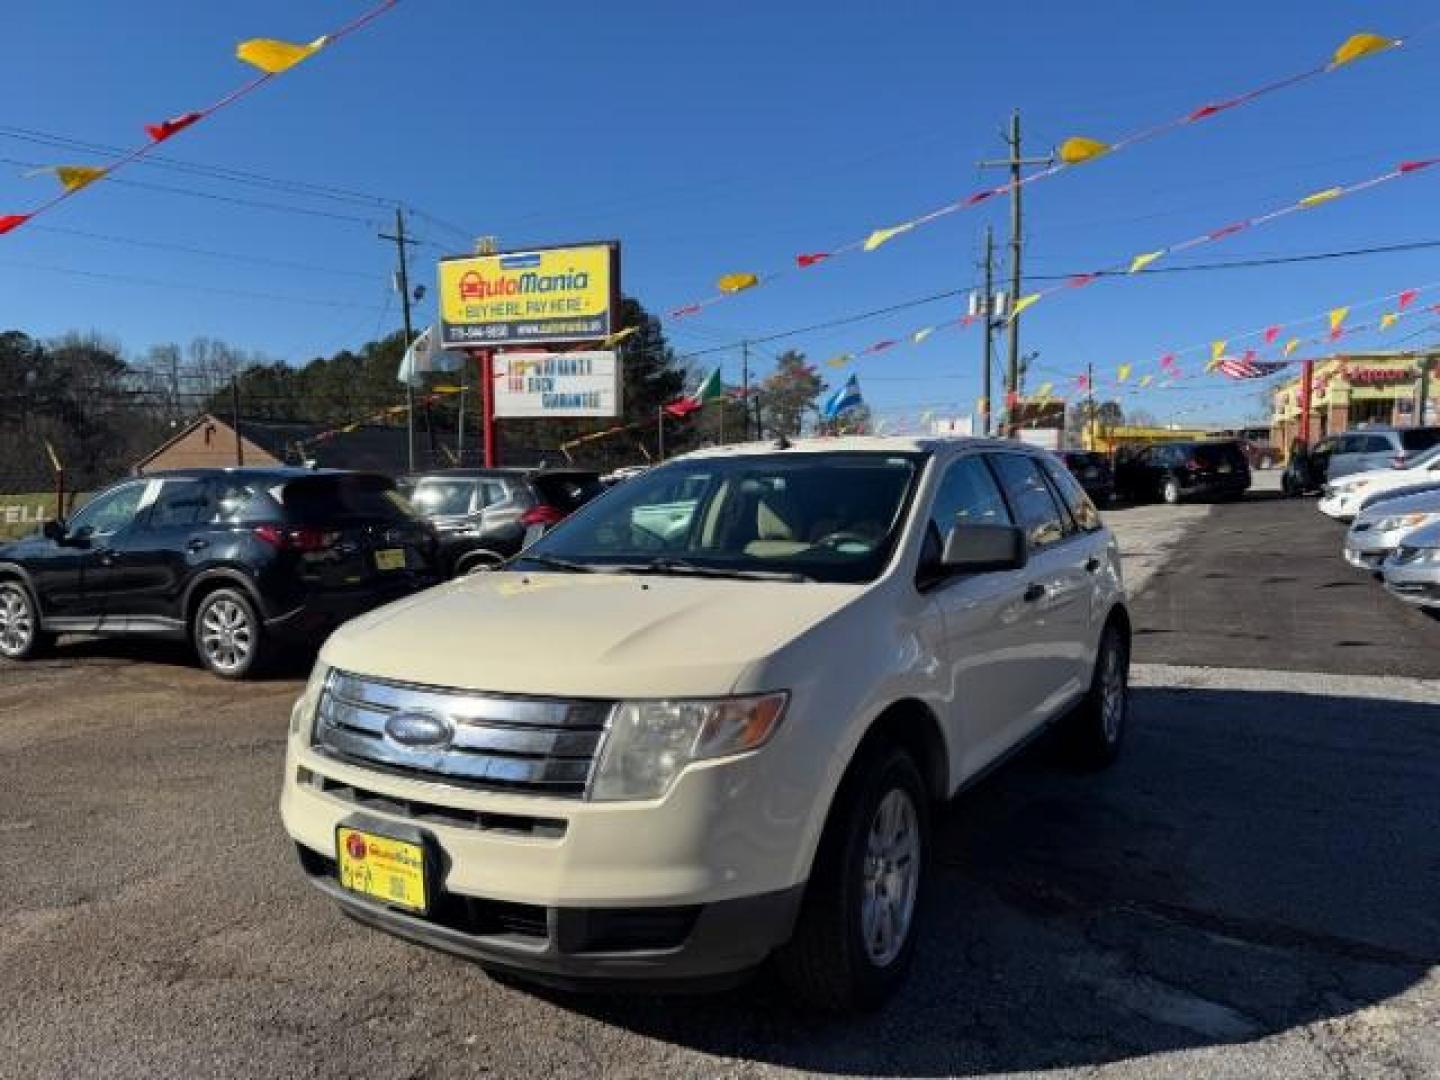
(1389, 477)
(1425, 501)
(589, 635)
(1427, 536)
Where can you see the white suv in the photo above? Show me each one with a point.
(703, 722)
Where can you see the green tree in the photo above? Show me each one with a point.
(789, 394)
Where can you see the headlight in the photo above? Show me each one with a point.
(1405, 521)
(304, 712)
(650, 742)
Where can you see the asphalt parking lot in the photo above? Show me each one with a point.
(1251, 891)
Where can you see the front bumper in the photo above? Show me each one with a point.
(1418, 585)
(1365, 559)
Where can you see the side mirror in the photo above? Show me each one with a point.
(54, 530)
(977, 548)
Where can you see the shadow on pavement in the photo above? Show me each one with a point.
(289, 663)
(1255, 862)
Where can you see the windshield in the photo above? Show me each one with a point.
(323, 499)
(1414, 440)
(1222, 453)
(437, 497)
(830, 517)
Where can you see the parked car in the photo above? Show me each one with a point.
(1412, 572)
(238, 561)
(1371, 448)
(484, 516)
(1094, 473)
(620, 475)
(1379, 530)
(1342, 499)
(1307, 468)
(1179, 471)
(640, 756)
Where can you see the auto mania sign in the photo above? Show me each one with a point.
(548, 295)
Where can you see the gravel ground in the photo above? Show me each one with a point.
(1250, 892)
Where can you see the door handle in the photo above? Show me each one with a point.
(1034, 591)
(1092, 564)
(198, 544)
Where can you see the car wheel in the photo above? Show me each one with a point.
(20, 634)
(1097, 726)
(1170, 491)
(472, 561)
(855, 937)
(228, 635)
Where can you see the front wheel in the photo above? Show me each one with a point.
(855, 938)
(228, 635)
(1097, 726)
(1170, 491)
(20, 634)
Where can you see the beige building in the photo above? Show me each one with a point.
(1351, 389)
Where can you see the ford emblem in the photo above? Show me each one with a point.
(420, 730)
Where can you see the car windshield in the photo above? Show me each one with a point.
(1415, 440)
(829, 517)
(442, 496)
(1220, 453)
(317, 499)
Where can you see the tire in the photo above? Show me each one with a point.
(472, 561)
(829, 964)
(20, 635)
(228, 635)
(1170, 491)
(1097, 726)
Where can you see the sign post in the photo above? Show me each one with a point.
(487, 406)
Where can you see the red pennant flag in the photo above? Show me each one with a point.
(1408, 297)
(1210, 110)
(1228, 230)
(1337, 333)
(1167, 361)
(1082, 381)
(1271, 333)
(688, 309)
(163, 130)
(967, 320)
(880, 346)
(979, 197)
(1079, 281)
(1249, 356)
(802, 261)
(10, 222)
(1416, 166)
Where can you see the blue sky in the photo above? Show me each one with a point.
(717, 138)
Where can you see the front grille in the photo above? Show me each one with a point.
(491, 742)
(542, 828)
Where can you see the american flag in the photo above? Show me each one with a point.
(1247, 367)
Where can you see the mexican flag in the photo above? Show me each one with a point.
(710, 389)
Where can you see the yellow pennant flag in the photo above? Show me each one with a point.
(839, 361)
(1140, 262)
(1077, 149)
(881, 236)
(1358, 45)
(273, 57)
(1212, 364)
(1023, 303)
(1321, 197)
(921, 335)
(1292, 345)
(1217, 349)
(733, 283)
(75, 177)
(1388, 320)
(619, 336)
(1146, 380)
(1337, 317)
(1122, 373)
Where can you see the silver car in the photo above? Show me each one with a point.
(1412, 573)
(1380, 529)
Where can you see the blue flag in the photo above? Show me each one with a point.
(842, 400)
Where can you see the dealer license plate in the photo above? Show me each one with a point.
(390, 558)
(391, 871)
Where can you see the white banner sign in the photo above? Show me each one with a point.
(537, 385)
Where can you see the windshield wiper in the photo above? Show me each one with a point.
(551, 563)
(683, 568)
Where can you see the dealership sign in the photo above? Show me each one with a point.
(549, 295)
(541, 385)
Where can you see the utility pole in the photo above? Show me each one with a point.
(1012, 345)
(235, 417)
(987, 352)
(403, 282)
(1426, 362)
(1088, 432)
(745, 389)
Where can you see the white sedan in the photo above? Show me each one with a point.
(1342, 499)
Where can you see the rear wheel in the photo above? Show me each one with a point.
(1097, 726)
(20, 634)
(1170, 490)
(855, 938)
(228, 635)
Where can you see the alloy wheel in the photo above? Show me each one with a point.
(1112, 693)
(17, 621)
(891, 877)
(226, 635)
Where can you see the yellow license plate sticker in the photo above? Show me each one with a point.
(390, 558)
(391, 871)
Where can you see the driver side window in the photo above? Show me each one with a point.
(968, 495)
(110, 511)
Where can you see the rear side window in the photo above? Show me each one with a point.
(1376, 444)
(567, 491)
(1079, 504)
(181, 503)
(1415, 440)
(442, 496)
(319, 499)
(1035, 508)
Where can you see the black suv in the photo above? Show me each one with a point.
(1174, 472)
(237, 560)
(484, 516)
